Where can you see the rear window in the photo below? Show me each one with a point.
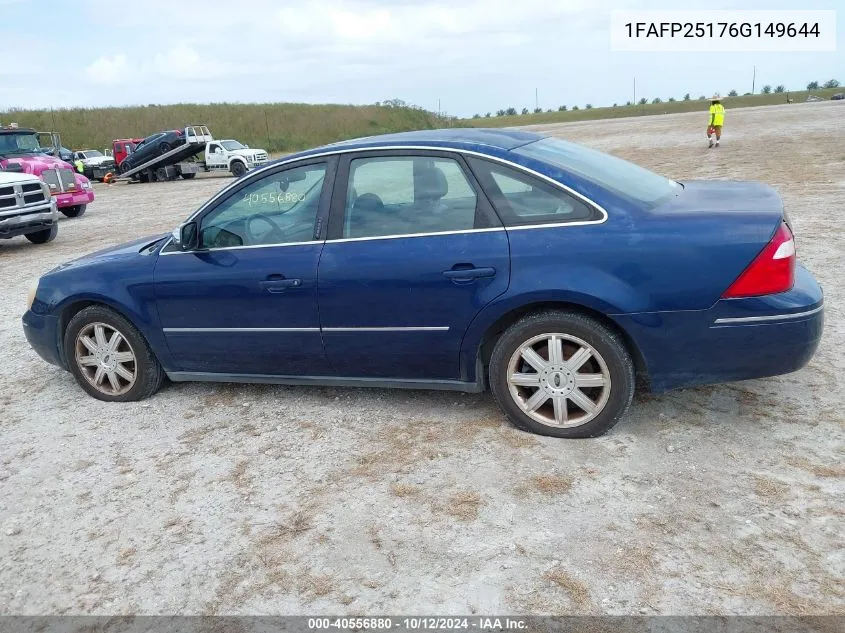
(618, 176)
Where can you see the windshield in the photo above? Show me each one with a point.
(625, 179)
(92, 153)
(232, 145)
(19, 143)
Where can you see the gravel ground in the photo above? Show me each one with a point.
(222, 499)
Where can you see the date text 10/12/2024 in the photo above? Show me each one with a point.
(723, 31)
(419, 624)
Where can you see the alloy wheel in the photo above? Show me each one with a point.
(558, 380)
(106, 359)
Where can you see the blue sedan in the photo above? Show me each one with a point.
(558, 276)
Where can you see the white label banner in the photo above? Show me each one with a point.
(723, 31)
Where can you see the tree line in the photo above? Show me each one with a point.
(767, 89)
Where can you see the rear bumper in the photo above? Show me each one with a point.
(42, 333)
(28, 220)
(72, 199)
(737, 339)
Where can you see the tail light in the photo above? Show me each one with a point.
(772, 271)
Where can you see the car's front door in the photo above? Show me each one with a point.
(246, 301)
(414, 253)
(213, 154)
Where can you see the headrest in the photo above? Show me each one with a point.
(431, 184)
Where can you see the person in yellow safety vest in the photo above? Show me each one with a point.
(717, 119)
(80, 167)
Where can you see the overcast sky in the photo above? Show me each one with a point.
(471, 55)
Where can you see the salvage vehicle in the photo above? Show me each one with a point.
(149, 159)
(460, 259)
(21, 150)
(27, 208)
(220, 155)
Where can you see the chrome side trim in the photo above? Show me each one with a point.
(769, 317)
(387, 329)
(196, 330)
(174, 330)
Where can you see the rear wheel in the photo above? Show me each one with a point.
(42, 237)
(164, 147)
(188, 176)
(238, 168)
(109, 357)
(562, 374)
(74, 212)
(161, 174)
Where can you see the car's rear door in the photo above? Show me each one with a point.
(414, 253)
(247, 302)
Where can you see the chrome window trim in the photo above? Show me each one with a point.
(388, 148)
(769, 317)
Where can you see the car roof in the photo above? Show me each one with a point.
(479, 139)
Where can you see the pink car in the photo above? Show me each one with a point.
(21, 151)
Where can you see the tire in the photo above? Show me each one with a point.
(44, 236)
(164, 147)
(188, 176)
(238, 168)
(608, 368)
(74, 212)
(146, 373)
(161, 175)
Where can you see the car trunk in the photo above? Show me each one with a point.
(699, 242)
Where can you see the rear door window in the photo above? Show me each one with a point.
(407, 195)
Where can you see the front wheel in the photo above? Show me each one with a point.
(164, 147)
(109, 357)
(74, 212)
(44, 236)
(562, 374)
(238, 168)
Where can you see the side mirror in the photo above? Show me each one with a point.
(246, 146)
(186, 237)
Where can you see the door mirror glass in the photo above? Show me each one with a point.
(185, 237)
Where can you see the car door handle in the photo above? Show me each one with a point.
(275, 286)
(469, 273)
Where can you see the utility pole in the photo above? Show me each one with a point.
(536, 99)
(753, 79)
(634, 102)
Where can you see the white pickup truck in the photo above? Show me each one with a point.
(230, 155)
(27, 208)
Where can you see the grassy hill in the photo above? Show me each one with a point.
(277, 127)
(286, 127)
(665, 107)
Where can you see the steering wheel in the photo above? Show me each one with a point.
(274, 235)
